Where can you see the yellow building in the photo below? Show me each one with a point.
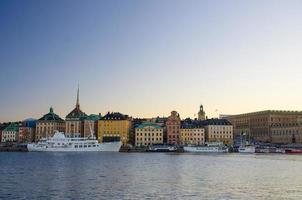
(114, 127)
(149, 133)
(192, 132)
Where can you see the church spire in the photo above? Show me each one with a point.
(78, 98)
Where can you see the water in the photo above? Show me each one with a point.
(149, 176)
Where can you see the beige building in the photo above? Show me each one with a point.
(149, 133)
(259, 125)
(48, 124)
(74, 121)
(10, 133)
(287, 133)
(218, 130)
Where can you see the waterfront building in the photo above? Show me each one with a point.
(289, 133)
(27, 131)
(192, 132)
(148, 133)
(90, 125)
(173, 128)
(218, 130)
(48, 124)
(10, 133)
(161, 121)
(201, 113)
(135, 123)
(114, 126)
(258, 125)
(74, 123)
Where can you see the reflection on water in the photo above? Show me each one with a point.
(149, 175)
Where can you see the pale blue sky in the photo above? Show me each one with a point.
(146, 58)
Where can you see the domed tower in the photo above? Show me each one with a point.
(201, 113)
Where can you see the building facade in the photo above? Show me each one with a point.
(26, 134)
(218, 130)
(10, 133)
(173, 128)
(113, 127)
(48, 124)
(192, 133)
(74, 121)
(148, 133)
(90, 125)
(259, 125)
(27, 131)
(290, 133)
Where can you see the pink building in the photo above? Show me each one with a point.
(173, 128)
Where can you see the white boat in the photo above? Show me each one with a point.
(247, 149)
(60, 143)
(162, 148)
(210, 147)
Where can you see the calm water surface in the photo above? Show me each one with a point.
(149, 176)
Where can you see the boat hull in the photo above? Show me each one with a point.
(103, 147)
(247, 149)
(205, 149)
(293, 151)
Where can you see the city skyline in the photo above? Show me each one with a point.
(146, 59)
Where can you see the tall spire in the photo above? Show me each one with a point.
(78, 100)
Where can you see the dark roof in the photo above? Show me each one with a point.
(51, 116)
(76, 113)
(215, 121)
(190, 124)
(114, 116)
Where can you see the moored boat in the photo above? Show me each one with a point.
(162, 148)
(210, 147)
(247, 149)
(293, 151)
(60, 143)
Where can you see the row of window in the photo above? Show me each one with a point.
(149, 139)
(149, 129)
(148, 134)
(192, 134)
(84, 146)
(220, 136)
(192, 139)
(190, 130)
(144, 143)
(173, 136)
(285, 132)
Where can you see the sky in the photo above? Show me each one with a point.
(147, 58)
